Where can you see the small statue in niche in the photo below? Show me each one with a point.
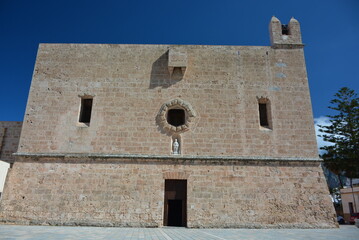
(175, 147)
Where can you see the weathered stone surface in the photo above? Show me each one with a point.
(112, 171)
(130, 192)
(129, 93)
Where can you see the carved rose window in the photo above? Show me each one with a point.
(176, 116)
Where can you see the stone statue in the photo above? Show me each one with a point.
(175, 147)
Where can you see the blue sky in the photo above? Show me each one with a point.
(330, 30)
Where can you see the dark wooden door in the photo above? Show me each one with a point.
(175, 212)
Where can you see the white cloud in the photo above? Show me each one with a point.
(324, 121)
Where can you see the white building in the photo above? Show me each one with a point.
(4, 166)
(350, 201)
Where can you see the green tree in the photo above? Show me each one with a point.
(342, 157)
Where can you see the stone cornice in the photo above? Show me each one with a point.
(169, 157)
(288, 46)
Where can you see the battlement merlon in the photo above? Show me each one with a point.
(285, 36)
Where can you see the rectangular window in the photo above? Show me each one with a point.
(263, 115)
(85, 112)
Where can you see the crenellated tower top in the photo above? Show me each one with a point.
(285, 36)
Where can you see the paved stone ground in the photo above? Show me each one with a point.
(345, 232)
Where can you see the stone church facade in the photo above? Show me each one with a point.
(170, 135)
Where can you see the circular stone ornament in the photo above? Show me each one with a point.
(176, 104)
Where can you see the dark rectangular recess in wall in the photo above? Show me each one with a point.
(86, 109)
(175, 208)
(263, 115)
(175, 212)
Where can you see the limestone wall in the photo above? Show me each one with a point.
(130, 83)
(242, 170)
(9, 140)
(130, 192)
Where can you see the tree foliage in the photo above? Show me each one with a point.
(342, 157)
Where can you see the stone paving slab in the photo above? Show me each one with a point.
(345, 232)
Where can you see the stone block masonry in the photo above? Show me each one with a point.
(130, 83)
(170, 135)
(130, 192)
(9, 140)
